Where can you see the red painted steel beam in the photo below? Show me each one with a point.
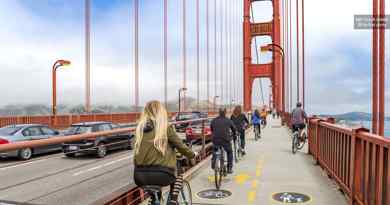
(382, 73)
(215, 49)
(247, 56)
(375, 72)
(222, 52)
(260, 70)
(290, 49)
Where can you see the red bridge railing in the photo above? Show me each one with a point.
(64, 121)
(357, 160)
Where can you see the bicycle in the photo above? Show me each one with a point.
(298, 142)
(238, 151)
(257, 131)
(181, 190)
(220, 167)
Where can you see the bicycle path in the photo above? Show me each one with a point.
(270, 168)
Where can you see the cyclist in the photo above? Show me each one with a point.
(241, 123)
(263, 116)
(256, 120)
(298, 118)
(220, 128)
(155, 144)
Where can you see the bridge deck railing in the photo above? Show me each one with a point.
(356, 159)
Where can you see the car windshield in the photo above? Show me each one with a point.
(79, 129)
(7, 131)
(188, 116)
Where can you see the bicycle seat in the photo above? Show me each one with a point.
(152, 188)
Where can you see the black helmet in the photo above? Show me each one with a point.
(299, 104)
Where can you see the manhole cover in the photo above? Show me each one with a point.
(291, 197)
(214, 194)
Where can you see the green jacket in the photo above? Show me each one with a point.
(148, 155)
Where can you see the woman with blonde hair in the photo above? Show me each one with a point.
(155, 148)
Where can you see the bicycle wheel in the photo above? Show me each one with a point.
(235, 150)
(301, 144)
(185, 196)
(239, 150)
(295, 143)
(218, 173)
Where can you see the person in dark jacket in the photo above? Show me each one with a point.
(222, 129)
(241, 122)
(155, 148)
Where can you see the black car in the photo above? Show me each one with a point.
(185, 116)
(28, 132)
(99, 145)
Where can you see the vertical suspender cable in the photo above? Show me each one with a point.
(303, 55)
(227, 54)
(215, 48)
(88, 55)
(166, 53)
(298, 54)
(184, 53)
(290, 49)
(222, 54)
(197, 56)
(375, 72)
(136, 56)
(381, 68)
(208, 54)
(258, 60)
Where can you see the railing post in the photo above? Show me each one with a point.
(355, 163)
(203, 140)
(317, 140)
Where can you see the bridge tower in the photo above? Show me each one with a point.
(272, 70)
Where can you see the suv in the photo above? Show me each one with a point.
(99, 145)
(184, 116)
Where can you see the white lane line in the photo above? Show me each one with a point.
(27, 163)
(102, 166)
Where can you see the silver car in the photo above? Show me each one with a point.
(28, 132)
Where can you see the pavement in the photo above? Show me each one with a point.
(269, 168)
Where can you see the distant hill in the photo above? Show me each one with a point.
(353, 116)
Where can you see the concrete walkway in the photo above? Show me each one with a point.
(268, 168)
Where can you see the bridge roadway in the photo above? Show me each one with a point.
(270, 167)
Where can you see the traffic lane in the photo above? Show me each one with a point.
(9, 161)
(92, 189)
(20, 174)
(68, 179)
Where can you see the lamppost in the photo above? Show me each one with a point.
(57, 64)
(215, 103)
(270, 47)
(181, 90)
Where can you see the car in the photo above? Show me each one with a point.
(194, 133)
(184, 116)
(28, 132)
(98, 145)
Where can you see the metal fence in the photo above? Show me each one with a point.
(357, 160)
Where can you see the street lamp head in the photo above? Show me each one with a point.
(64, 62)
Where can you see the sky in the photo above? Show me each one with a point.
(37, 32)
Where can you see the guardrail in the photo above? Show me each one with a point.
(127, 195)
(64, 121)
(356, 159)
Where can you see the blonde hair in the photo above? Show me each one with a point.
(154, 111)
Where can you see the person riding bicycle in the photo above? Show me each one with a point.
(155, 146)
(256, 120)
(298, 117)
(241, 123)
(220, 128)
(263, 116)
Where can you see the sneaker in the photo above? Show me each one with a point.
(243, 152)
(230, 171)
